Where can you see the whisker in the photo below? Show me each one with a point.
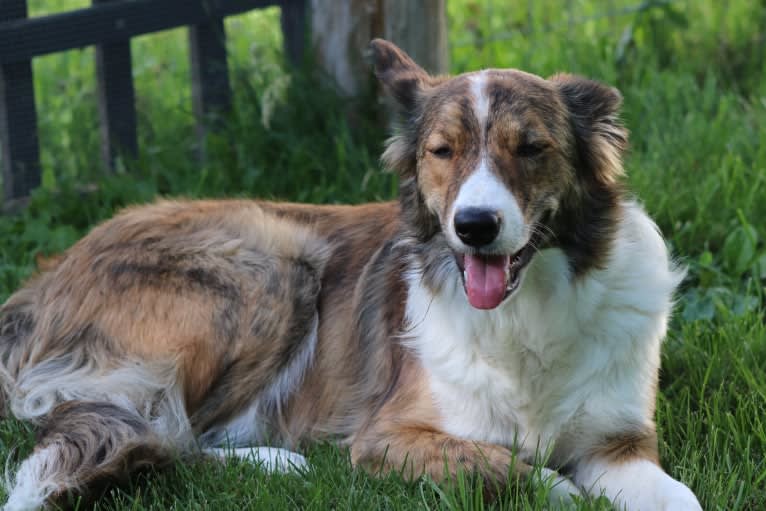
(538, 228)
(535, 248)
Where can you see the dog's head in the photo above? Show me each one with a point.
(500, 163)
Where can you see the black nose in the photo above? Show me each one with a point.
(476, 226)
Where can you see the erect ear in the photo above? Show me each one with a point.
(601, 137)
(405, 81)
(400, 75)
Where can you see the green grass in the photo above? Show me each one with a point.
(694, 79)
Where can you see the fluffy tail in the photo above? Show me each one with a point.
(83, 444)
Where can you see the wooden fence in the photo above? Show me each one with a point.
(109, 25)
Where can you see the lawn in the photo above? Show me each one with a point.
(693, 74)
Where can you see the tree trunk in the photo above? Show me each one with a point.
(342, 29)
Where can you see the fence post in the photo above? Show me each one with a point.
(116, 100)
(341, 31)
(211, 92)
(293, 20)
(18, 119)
(420, 29)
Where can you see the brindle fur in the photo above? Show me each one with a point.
(212, 300)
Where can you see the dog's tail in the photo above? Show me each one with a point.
(83, 445)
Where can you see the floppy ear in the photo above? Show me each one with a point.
(601, 137)
(400, 75)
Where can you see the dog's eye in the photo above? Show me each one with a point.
(530, 150)
(443, 151)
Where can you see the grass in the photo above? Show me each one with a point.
(693, 74)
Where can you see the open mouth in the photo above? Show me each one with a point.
(488, 279)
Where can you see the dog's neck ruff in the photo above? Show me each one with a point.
(562, 351)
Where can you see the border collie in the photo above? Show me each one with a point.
(509, 307)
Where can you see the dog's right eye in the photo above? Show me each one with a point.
(443, 151)
(530, 150)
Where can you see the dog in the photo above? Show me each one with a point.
(508, 307)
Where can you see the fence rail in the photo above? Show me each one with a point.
(110, 25)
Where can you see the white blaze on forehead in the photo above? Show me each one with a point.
(484, 190)
(480, 98)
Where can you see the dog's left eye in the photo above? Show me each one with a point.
(529, 150)
(443, 151)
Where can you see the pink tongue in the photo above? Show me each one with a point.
(485, 280)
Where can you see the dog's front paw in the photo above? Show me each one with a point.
(638, 485)
(676, 496)
(665, 495)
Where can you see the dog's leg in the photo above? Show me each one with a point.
(421, 451)
(625, 468)
(82, 444)
(272, 459)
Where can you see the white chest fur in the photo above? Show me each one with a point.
(561, 359)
